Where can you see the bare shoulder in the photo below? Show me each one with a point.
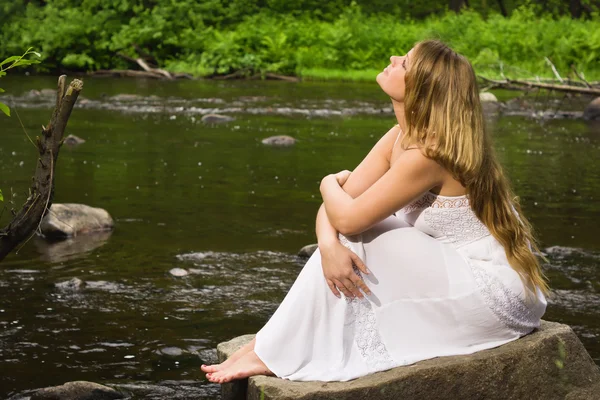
(415, 159)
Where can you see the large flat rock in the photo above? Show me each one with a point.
(550, 363)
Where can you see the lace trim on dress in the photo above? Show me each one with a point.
(434, 201)
(460, 225)
(367, 336)
(505, 304)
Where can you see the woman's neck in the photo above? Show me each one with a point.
(399, 111)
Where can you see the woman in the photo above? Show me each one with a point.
(451, 264)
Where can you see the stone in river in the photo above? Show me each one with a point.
(72, 285)
(178, 272)
(280, 140)
(592, 111)
(77, 390)
(308, 250)
(216, 118)
(487, 96)
(69, 219)
(73, 140)
(171, 351)
(549, 363)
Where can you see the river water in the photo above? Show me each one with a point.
(213, 200)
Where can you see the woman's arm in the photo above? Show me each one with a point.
(335, 258)
(411, 175)
(371, 168)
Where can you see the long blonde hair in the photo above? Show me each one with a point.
(445, 119)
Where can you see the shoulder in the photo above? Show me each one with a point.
(414, 158)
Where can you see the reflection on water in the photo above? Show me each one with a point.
(70, 248)
(231, 213)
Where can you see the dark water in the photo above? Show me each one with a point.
(232, 212)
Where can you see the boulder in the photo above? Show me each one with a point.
(73, 140)
(216, 118)
(592, 111)
(549, 363)
(65, 220)
(280, 140)
(78, 390)
(308, 250)
(485, 97)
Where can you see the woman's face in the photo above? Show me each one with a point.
(391, 79)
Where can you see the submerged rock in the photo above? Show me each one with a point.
(592, 111)
(65, 220)
(216, 118)
(549, 363)
(308, 250)
(70, 285)
(280, 140)
(485, 97)
(78, 390)
(73, 140)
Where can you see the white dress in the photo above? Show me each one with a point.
(441, 285)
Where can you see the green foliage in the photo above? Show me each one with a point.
(1, 196)
(13, 62)
(306, 37)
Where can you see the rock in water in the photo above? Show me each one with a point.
(549, 363)
(216, 118)
(178, 272)
(78, 390)
(65, 220)
(592, 111)
(485, 97)
(308, 250)
(74, 284)
(73, 140)
(281, 140)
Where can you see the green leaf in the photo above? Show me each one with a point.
(2, 90)
(1, 197)
(4, 108)
(25, 62)
(9, 59)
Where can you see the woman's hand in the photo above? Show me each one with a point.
(336, 261)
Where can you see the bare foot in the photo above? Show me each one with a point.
(233, 358)
(246, 366)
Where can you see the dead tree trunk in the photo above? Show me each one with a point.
(502, 8)
(41, 192)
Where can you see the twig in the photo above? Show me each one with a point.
(21, 122)
(553, 69)
(580, 76)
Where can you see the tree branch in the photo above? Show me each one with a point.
(26, 221)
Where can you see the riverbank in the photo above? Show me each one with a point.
(353, 46)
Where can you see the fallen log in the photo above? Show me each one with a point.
(516, 84)
(41, 192)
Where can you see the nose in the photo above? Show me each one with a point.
(394, 59)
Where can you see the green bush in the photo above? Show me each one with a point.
(307, 38)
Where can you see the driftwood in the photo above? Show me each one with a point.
(26, 222)
(130, 73)
(516, 84)
(142, 63)
(243, 74)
